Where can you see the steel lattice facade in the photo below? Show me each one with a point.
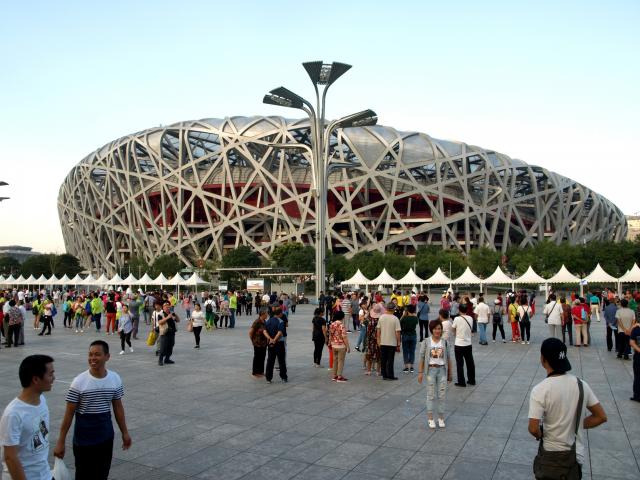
(196, 189)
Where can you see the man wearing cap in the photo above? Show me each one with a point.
(388, 337)
(559, 399)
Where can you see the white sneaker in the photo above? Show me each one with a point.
(432, 424)
(81, 331)
(76, 330)
(494, 341)
(504, 341)
(441, 423)
(522, 342)
(528, 343)
(122, 352)
(130, 350)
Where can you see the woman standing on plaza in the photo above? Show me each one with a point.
(408, 324)
(259, 342)
(515, 328)
(187, 305)
(372, 348)
(197, 322)
(318, 335)
(339, 343)
(225, 312)
(125, 327)
(524, 316)
(435, 362)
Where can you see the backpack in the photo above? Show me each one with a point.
(497, 316)
(583, 315)
(525, 316)
(87, 308)
(54, 311)
(208, 308)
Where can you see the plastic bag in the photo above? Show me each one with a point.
(151, 339)
(60, 471)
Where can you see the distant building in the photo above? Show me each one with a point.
(633, 226)
(17, 252)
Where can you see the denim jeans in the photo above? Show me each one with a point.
(409, 348)
(436, 384)
(232, 319)
(482, 328)
(363, 333)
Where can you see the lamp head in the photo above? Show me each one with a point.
(365, 118)
(325, 73)
(283, 97)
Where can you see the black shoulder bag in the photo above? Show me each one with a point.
(560, 465)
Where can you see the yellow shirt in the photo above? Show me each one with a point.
(398, 299)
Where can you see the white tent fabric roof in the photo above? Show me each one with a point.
(41, 280)
(77, 280)
(145, 280)
(115, 280)
(130, 280)
(599, 275)
(564, 276)
(2, 280)
(102, 280)
(65, 280)
(357, 279)
(530, 276)
(11, 279)
(632, 275)
(20, 280)
(29, 281)
(438, 278)
(89, 280)
(53, 280)
(383, 279)
(467, 278)
(161, 280)
(410, 279)
(176, 280)
(498, 277)
(195, 279)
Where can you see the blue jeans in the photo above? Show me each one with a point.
(409, 348)
(232, 318)
(363, 332)
(436, 386)
(482, 327)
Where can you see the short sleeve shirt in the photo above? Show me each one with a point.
(337, 331)
(27, 427)
(388, 325)
(462, 324)
(626, 317)
(93, 398)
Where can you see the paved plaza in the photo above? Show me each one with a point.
(206, 418)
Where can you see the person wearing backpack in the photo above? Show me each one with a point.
(524, 316)
(496, 317)
(209, 306)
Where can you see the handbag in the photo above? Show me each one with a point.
(189, 326)
(151, 338)
(560, 465)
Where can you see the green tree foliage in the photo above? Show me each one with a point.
(51, 263)
(483, 261)
(9, 265)
(242, 256)
(168, 265)
(294, 257)
(137, 265)
(429, 259)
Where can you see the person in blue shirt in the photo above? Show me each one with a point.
(422, 311)
(275, 330)
(609, 312)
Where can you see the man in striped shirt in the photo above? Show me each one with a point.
(90, 398)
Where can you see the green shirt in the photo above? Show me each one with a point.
(408, 325)
(233, 302)
(96, 306)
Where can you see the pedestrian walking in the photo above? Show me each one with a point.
(561, 401)
(512, 309)
(275, 331)
(318, 335)
(372, 349)
(167, 329)
(125, 328)
(634, 343)
(47, 316)
(463, 349)
(496, 318)
(422, 311)
(567, 321)
(524, 317)
(579, 316)
(435, 362)
(626, 318)
(197, 322)
(483, 316)
(90, 399)
(409, 337)
(339, 343)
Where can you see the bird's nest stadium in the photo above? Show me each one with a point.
(197, 189)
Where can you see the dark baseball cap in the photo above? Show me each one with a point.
(554, 352)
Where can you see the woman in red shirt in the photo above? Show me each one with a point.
(577, 313)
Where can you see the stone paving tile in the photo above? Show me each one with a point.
(206, 417)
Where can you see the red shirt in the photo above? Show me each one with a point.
(576, 313)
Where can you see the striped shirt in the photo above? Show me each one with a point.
(346, 306)
(93, 398)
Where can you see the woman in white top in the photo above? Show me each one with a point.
(197, 322)
(446, 322)
(462, 326)
(435, 361)
(47, 316)
(524, 316)
(125, 327)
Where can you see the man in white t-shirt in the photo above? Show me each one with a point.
(553, 313)
(554, 401)
(483, 313)
(24, 427)
(388, 336)
(462, 326)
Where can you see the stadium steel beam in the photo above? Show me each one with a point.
(321, 75)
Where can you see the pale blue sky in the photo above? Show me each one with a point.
(553, 83)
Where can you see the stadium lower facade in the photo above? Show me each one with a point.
(200, 188)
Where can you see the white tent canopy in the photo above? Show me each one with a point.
(194, 280)
(65, 280)
(438, 278)
(160, 280)
(498, 277)
(383, 279)
(564, 276)
(41, 280)
(53, 280)
(357, 279)
(115, 280)
(77, 280)
(10, 280)
(600, 276)
(467, 278)
(89, 280)
(145, 280)
(130, 280)
(410, 279)
(176, 280)
(20, 280)
(529, 277)
(632, 275)
(101, 280)
(2, 280)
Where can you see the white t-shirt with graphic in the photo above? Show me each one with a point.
(436, 353)
(27, 426)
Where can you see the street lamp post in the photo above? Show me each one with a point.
(3, 184)
(322, 75)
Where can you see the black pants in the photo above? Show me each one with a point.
(46, 320)
(276, 351)
(13, 334)
(424, 327)
(226, 321)
(525, 331)
(93, 462)
(125, 337)
(239, 310)
(474, 329)
(387, 357)
(465, 355)
(623, 344)
(612, 333)
(258, 360)
(167, 341)
(67, 319)
(636, 375)
(293, 308)
(249, 306)
(355, 318)
(567, 328)
(196, 333)
(318, 345)
(498, 326)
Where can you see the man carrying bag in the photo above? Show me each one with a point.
(560, 400)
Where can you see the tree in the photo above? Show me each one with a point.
(36, 265)
(242, 257)
(68, 265)
(294, 257)
(168, 265)
(9, 265)
(483, 261)
(137, 265)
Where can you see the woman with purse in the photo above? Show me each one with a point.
(196, 323)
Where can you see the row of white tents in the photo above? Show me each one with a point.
(498, 277)
(177, 280)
